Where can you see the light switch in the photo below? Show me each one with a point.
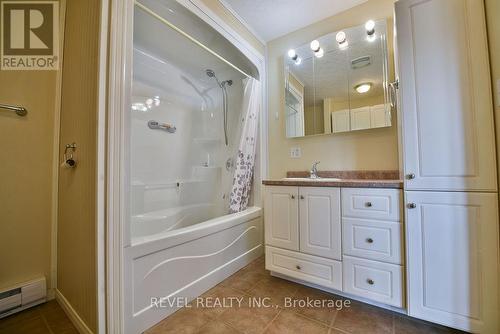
(295, 152)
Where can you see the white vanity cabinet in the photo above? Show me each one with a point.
(349, 239)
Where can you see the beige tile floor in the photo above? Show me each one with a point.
(255, 281)
(48, 318)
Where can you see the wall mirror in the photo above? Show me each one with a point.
(338, 82)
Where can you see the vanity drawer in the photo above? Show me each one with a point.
(381, 282)
(372, 239)
(382, 204)
(313, 269)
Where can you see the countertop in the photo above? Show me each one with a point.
(348, 179)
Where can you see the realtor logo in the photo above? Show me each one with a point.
(29, 35)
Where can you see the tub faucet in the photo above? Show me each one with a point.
(314, 171)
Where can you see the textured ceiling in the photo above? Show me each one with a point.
(270, 19)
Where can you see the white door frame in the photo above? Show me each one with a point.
(118, 74)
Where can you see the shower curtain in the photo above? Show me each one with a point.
(245, 160)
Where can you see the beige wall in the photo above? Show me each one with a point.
(77, 223)
(371, 149)
(221, 11)
(26, 149)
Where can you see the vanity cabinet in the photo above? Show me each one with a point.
(349, 239)
(452, 261)
(282, 214)
(446, 109)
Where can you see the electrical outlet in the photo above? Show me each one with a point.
(295, 152)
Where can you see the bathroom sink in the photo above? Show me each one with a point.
(321, 179)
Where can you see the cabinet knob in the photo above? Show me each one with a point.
(410, 176)
(301, 196)
(368, 204)
(293, 196)
(370, 281)
(298, 267)
(369, 240)
(411, 205)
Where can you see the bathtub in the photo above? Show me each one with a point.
(175, 266)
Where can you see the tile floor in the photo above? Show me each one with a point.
(255, 281)
(48, 318)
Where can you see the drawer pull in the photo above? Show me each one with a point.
(411, 205)
(293, 196)
(298, 267)
(368, 204)
(301, 197)
(369, 240)
(370, 281)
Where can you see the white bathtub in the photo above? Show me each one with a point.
(185, 262)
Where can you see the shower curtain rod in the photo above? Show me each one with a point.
(192, 39)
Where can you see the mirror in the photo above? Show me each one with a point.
(341, 85)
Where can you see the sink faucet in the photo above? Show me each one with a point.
(314, 171)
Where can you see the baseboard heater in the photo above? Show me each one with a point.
(22, 296)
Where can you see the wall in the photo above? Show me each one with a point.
(372, 149)
(26, 150)
(218, 9)
(77, 223)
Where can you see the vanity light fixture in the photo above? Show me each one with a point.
(318, 51)
(294, 56)
(315, 45)
(363, 87)
(341, 39)
(370, 27)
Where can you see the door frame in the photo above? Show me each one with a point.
(116, 79)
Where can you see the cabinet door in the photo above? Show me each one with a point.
(446, 99)
(360, 118)
(452, 258)
(281, 214)
(320, 232)
(340, 121)
(380, 117)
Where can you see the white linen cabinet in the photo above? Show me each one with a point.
(448, 157)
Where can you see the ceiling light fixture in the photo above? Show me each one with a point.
(319, 53)
(363, 87)
(341, 39)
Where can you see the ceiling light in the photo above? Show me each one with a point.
(315, 45)
(341, 39)
(370, 27)
(319, 53)
(363, 88)
(298, 60)
(291, 53)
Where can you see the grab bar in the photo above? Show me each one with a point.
(20, 111)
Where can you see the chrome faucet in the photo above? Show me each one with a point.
(314, 171)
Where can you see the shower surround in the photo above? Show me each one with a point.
(192, 217)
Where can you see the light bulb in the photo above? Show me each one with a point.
(363, 88)
(340, 37)
(315, 45)
(291, 53)
(370, 27)
(319, 53)
(298, 61)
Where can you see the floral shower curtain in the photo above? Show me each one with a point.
(245, 160)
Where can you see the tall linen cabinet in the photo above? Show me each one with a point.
(448, 157)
